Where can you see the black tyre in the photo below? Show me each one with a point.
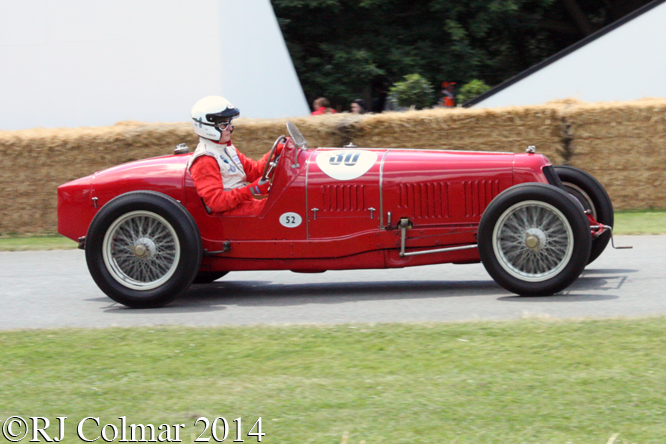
(589, 192)
(206, 277)
(534, 240)
(143, 249)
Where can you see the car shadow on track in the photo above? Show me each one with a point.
(594, 280)
(608, 271)
(560, 297)
(247, 293)
(602, 279)
(252, 293)
(174, 307)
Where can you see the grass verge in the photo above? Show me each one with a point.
(532, 381)
(640, 222)
(25, 243)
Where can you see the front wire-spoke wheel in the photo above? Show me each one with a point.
(141, 250)
(534, 239)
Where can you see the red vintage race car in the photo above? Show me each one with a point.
(148, 236)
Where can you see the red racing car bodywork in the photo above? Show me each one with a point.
(328, 208)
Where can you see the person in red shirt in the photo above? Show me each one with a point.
(322, 106)
(448, 98)
(226, 180)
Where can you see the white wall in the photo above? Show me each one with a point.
(628, 63)
(71, 63)
(257, 73)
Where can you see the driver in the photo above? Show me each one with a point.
(226, 180)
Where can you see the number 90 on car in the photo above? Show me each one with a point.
(219, 429)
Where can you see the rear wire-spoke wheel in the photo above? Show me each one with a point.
(143, 249)
(594, 198)
(534, 239)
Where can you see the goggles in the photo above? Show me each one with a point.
(223, 126)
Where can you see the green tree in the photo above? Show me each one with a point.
(347, 49)
(471, 89)
(414, 90)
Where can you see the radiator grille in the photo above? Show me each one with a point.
(478, 194)
(343, 198)
(425, 200)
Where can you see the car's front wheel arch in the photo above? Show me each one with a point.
(143, 249)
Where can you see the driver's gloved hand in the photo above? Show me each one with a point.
(258, 187)
(278, 149)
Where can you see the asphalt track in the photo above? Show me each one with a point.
(46, 289)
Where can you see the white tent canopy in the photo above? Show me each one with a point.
(77, 63)
(624, 61)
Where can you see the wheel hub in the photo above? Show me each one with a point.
(535, 239)
(144, 248)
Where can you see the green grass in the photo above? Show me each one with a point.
(531, 381)
(23, 243)
(626, 222)
(640, 222)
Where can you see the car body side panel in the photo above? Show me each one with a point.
(440, 187)
(160, 174)
(344, 231)
(528, 168)
(442, 193)
(375, 259)
(75, 207)
(343, 192)
(78, 202)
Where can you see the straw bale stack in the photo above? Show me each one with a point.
(253, 137)
(622, 144)
(34, 162)
(503, 129)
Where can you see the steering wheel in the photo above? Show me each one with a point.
(271, 162)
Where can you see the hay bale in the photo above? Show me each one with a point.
(36, 161)
(623, 144)
(254, 137)
(33, 163)
(503, 129)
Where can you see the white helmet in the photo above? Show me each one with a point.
(208, 112)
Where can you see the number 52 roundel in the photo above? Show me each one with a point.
(290, 220)
(346, 164)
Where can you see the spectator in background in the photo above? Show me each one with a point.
(448, 99)
(358, 106)
(379, 102)
(322, 106)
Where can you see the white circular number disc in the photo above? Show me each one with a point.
(290, 220)
(346, 164)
